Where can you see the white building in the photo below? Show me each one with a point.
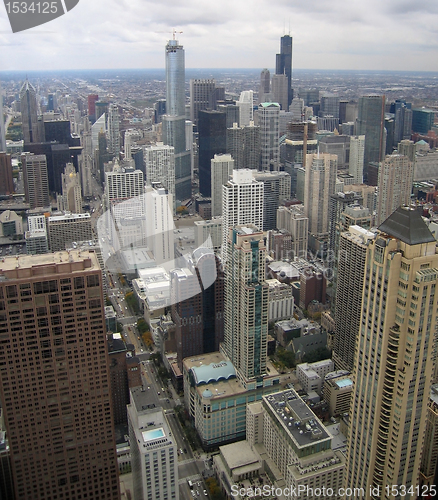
(221, 168)
(242, 202)
(122, 184)
(246, 108)
(280, 300)
(311, 375)
(159, 223)
(357, 151)
(205, 229)
(154, 455)
(160, 166)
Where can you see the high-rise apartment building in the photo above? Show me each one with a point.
(246, 302)
(276, 187)
(36, 182)
(353, 245)
(113, 130)
(160, 166)
(212, 131)
(242, 203)
(201, 97)
(159, 222)
(222, 167)
(283, 64)
(371, 124)
(293, 220)
(32, 126)
(54, 378)
(6, 181)
(174, 121)
(320, 183)
(394, 357)
(243, 144)
(122, 184)
(199, 318)
(357, 155)
(246, 108)
(269, 122)
(154, 453)
(394, 185)
(65, 229)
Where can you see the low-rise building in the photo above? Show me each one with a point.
(338, 388)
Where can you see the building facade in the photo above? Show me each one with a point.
(55, 391)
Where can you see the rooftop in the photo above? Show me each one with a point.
(296, 418)
(407, 225)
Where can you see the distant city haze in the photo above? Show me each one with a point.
(326, 35)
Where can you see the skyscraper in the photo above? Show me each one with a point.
(154, 455)
(6, 181)
(54, 389)
(113, 130)
(246, 108)
(269, 121)
(371, 124)
(242, 203)
(2, 124)
(394, 358)
(174, 122)
(395, 185)
(212, 131)
(320, 182)
(36, 182)
(265, 85)
(280, 91)
(32, 127)
(201, 93)
(243, 144)
(221, 168)
(357, 152)
(283, 65)
(349, 283)
(160, 166)
(246, 301)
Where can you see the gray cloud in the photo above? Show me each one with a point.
(337, 34)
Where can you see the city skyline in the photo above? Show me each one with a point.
(329, 36)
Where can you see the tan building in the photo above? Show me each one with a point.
(65, 229)
(54, 380)
(394, 357)
(394, 185)
(338, 387)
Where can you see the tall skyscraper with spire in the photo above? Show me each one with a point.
(283, 64)
(394, 357)
(174, 122)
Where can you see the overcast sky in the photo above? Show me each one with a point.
(328, 34)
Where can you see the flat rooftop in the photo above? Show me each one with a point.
(57, 263)
(296, 418)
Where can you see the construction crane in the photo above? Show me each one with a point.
(174, 32)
